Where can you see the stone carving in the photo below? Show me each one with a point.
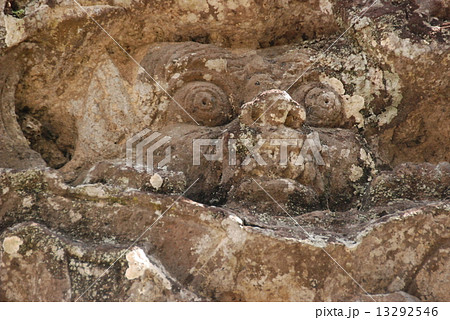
(208, 90)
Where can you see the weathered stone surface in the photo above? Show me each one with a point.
(412, 181)
(40, 265)
(432, 280)
(389, 297)
(33, 267)
(353, 131)
(219, 255)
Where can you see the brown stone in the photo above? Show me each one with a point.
(331, 151)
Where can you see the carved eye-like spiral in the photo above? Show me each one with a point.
(206, 103)
(323, 105)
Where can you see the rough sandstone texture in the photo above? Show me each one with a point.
(77, 223)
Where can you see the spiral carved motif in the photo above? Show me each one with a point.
(205, 102)
(322, 103)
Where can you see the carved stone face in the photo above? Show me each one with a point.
(298, 146)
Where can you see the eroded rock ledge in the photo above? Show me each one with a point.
(197, 252)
